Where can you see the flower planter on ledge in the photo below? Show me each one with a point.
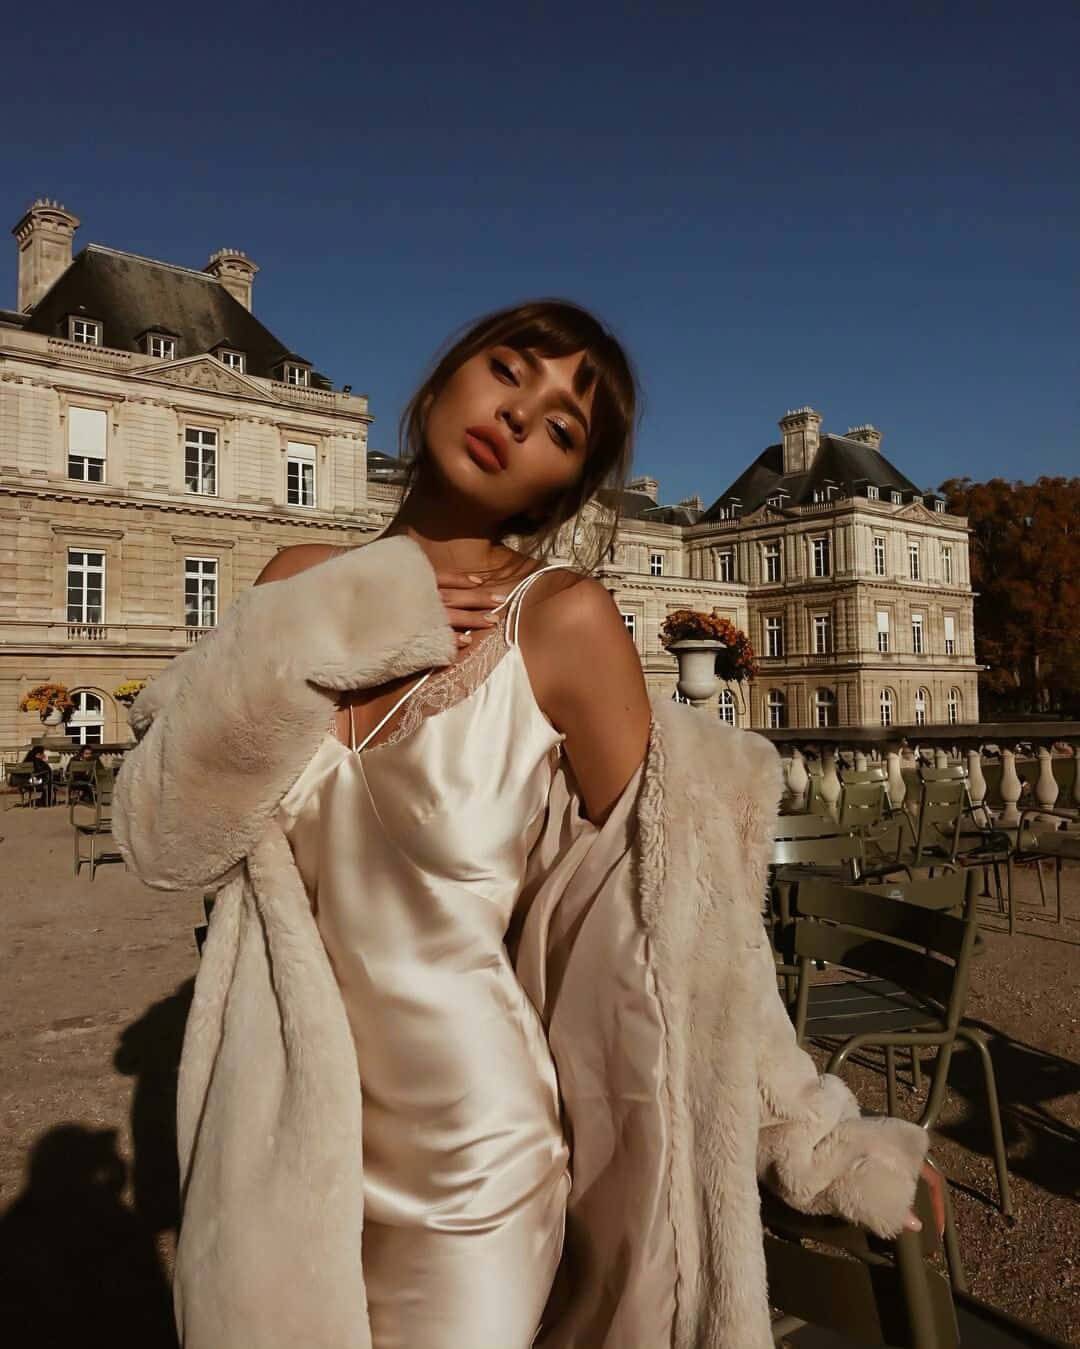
(697, 668)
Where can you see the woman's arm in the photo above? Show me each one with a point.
(229, 725)
(587, 676)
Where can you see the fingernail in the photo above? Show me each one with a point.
(471, 577)
(913, 1224)
(497, 596)
(464, 638)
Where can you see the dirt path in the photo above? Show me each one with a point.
(95, 988)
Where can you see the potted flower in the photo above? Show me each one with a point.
(51, 702)
(708, 649)
(128, 691)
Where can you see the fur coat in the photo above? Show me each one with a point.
(664, 1240)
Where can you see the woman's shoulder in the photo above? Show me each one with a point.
(296, 558)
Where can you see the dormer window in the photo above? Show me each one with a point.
(296, 375)
(235, 360)
(872, 493)
(87, 332)
(777, 500)
(160, 347)
(939, 507)
(897, 498)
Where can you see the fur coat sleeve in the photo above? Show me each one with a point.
(642, 947)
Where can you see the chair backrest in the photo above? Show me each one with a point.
(949, 773)
(808, 826)
(941, 810)
(862, 804)
(923, 950)
(871, 1291)
(836, 850)
(815, 799)
(873, 773)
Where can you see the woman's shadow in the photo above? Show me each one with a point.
(78, 1265)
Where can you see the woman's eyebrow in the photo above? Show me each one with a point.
(562, 400)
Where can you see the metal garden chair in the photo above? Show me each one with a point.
(916, 960)
(91, 818)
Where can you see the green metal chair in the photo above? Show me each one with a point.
(91, 818)
(916, 961)
(876, 1293)
(1054, 845)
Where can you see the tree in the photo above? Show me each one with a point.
(1025, 571)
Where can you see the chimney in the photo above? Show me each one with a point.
(44, 237)
(801, 431)
(693, 503)
(235, 271)
(865, 435)
(650, 486)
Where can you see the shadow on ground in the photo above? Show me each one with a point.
(79, 1265)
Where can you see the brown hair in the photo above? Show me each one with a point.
(550, 328)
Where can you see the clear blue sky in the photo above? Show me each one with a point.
(874, 213)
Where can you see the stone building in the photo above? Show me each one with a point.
(158, 445)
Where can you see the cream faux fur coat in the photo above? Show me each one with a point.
(270, 1097)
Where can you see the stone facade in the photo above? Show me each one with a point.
(144, 485)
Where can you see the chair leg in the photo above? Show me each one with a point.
(1058, 861)
(76, 841)
(1042, 886)
(890, 1078)
(1011, 869)
(957, 1277)
(1000, 1160)
(93, 856)
(916, 1069)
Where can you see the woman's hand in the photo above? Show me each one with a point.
(934, 1179)
(468, 601)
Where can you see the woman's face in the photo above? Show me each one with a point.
(508, 432)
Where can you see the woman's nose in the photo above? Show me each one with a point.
(514, 418)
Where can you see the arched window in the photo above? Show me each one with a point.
(774, 710)
(825, 708)
(922, 703)
(727, 707)
(953, 707)
(86, 724)
(886, 707)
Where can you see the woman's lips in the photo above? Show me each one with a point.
(482, 453)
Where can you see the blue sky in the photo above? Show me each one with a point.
(873, 213)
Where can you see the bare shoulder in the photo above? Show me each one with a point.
(295, 559)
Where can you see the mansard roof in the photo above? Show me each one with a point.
(634, 505)
(131, 296)
(846, 464)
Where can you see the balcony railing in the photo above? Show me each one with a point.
(33, 633)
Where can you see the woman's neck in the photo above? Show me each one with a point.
(450, 545)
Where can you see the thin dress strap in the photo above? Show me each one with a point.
(513, 600)
(375, 731)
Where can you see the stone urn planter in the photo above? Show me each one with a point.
(53, 716)
(697, 668)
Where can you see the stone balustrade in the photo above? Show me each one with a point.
(23, 634)
(1009, 765)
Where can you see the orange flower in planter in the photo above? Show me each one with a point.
(46, 698)
(735, 662)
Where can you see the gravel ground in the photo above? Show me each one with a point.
(97, 981)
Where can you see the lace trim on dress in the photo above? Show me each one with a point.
(447, 686)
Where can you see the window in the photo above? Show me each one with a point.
(946, 564)
(87, 429)
(296, 375)
(917, 634)
(85, 331)
(952, 707)
(777, 501)
(727, 707)
(897, 498)
(872, 493)
(950, 635)
(824, 708)
(630, 620)
(821, 556)
(883, 629)
(200, 460)
(822, 634)
(914, 560)
(939, 507)
(922, 698)
(164, 348)
(85, 586)
(774, 637)
(200, 592)
(87, 721)
(656, 564)
(879, 554)
(773, 567)
(774, 710)
(725, 565)
(886, 704)
(233, 359)
(300, 474)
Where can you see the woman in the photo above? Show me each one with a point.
(486, 1048)
(41, 779)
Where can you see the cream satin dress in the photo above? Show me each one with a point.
(413, 853)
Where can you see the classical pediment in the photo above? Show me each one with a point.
(762, 515)
(202, 372)
(915, 510)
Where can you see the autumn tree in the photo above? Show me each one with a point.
(1025, 571)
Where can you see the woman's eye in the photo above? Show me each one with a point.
(503, 370)
(562, 435)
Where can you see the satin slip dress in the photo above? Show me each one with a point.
(413, 854)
